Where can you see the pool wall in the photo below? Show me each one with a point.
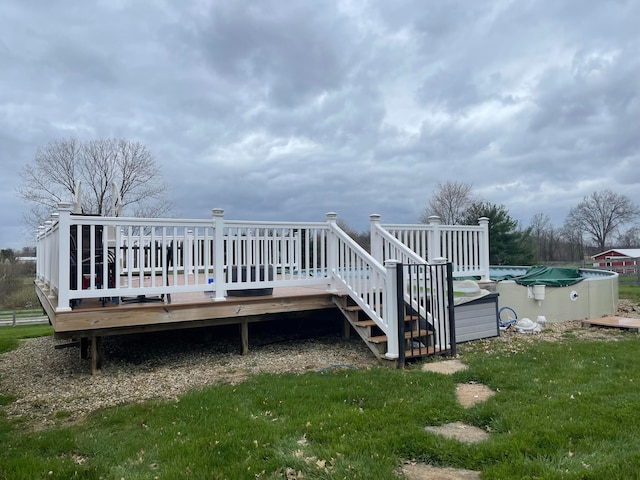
(595, 296)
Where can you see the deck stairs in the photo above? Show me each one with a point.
(418, 340)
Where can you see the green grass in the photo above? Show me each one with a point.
(10, 336)
(563, 410)
(629, 287)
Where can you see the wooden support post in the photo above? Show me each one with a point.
(84, 348)
(244, 338)
(96, 356)
(346, 329)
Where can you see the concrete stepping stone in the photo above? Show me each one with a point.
(446, 367)
(461, 432)
(422, 471)
(470, 394)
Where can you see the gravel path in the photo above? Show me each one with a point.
(46, 381)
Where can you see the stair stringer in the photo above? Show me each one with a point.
(373, 336)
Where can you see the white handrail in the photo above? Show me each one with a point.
(83, 256)
(385, 247)
(465, 246)
(368, 282)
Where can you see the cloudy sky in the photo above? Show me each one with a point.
(285, 110)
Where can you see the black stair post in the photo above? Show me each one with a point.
(451, 310)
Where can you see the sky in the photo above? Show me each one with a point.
(287, 110)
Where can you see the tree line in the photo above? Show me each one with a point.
(111, 171)
(598, 222)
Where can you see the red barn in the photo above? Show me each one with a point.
(620, 260)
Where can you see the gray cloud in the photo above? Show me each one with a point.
(287, 111)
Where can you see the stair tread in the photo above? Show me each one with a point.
(418, 352)
(371, 323)
(365, 323)
(407, 335)
(352, 308)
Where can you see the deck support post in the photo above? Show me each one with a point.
(96, 355)
(84, 348)
(346, 329)
(244, 338)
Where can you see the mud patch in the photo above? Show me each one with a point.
(460, 431)
(421, 471)
(469, 394)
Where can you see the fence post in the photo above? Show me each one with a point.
(219, 280)
(484, 248)
(376, 239)
(47, 256)
(391, 309)
(433, 239)
(40, 258)
(63, 255)
(332, 253)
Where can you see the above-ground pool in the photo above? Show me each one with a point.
(596, 295)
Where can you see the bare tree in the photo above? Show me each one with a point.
(62, 165)
(600, 214)
(573, 247)
(449, 202)
(630, 238)
(541, 233)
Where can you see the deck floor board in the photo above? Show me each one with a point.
(186, 310)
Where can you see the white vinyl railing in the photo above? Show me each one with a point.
(385, 247)
(85, 256)
(369, 283)
(466, 247)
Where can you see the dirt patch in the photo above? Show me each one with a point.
(461, 432)
(421, 471)
(446, 367)
(470, 394)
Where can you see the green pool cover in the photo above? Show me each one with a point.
(550, 276)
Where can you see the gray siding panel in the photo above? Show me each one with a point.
(477, 319)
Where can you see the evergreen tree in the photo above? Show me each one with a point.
(508, 243)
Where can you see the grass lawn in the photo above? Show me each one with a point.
(632, 292)
(563, 410)
(11, 336)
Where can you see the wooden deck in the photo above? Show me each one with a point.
(188, 310)
(631, 324)
(91, 320)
